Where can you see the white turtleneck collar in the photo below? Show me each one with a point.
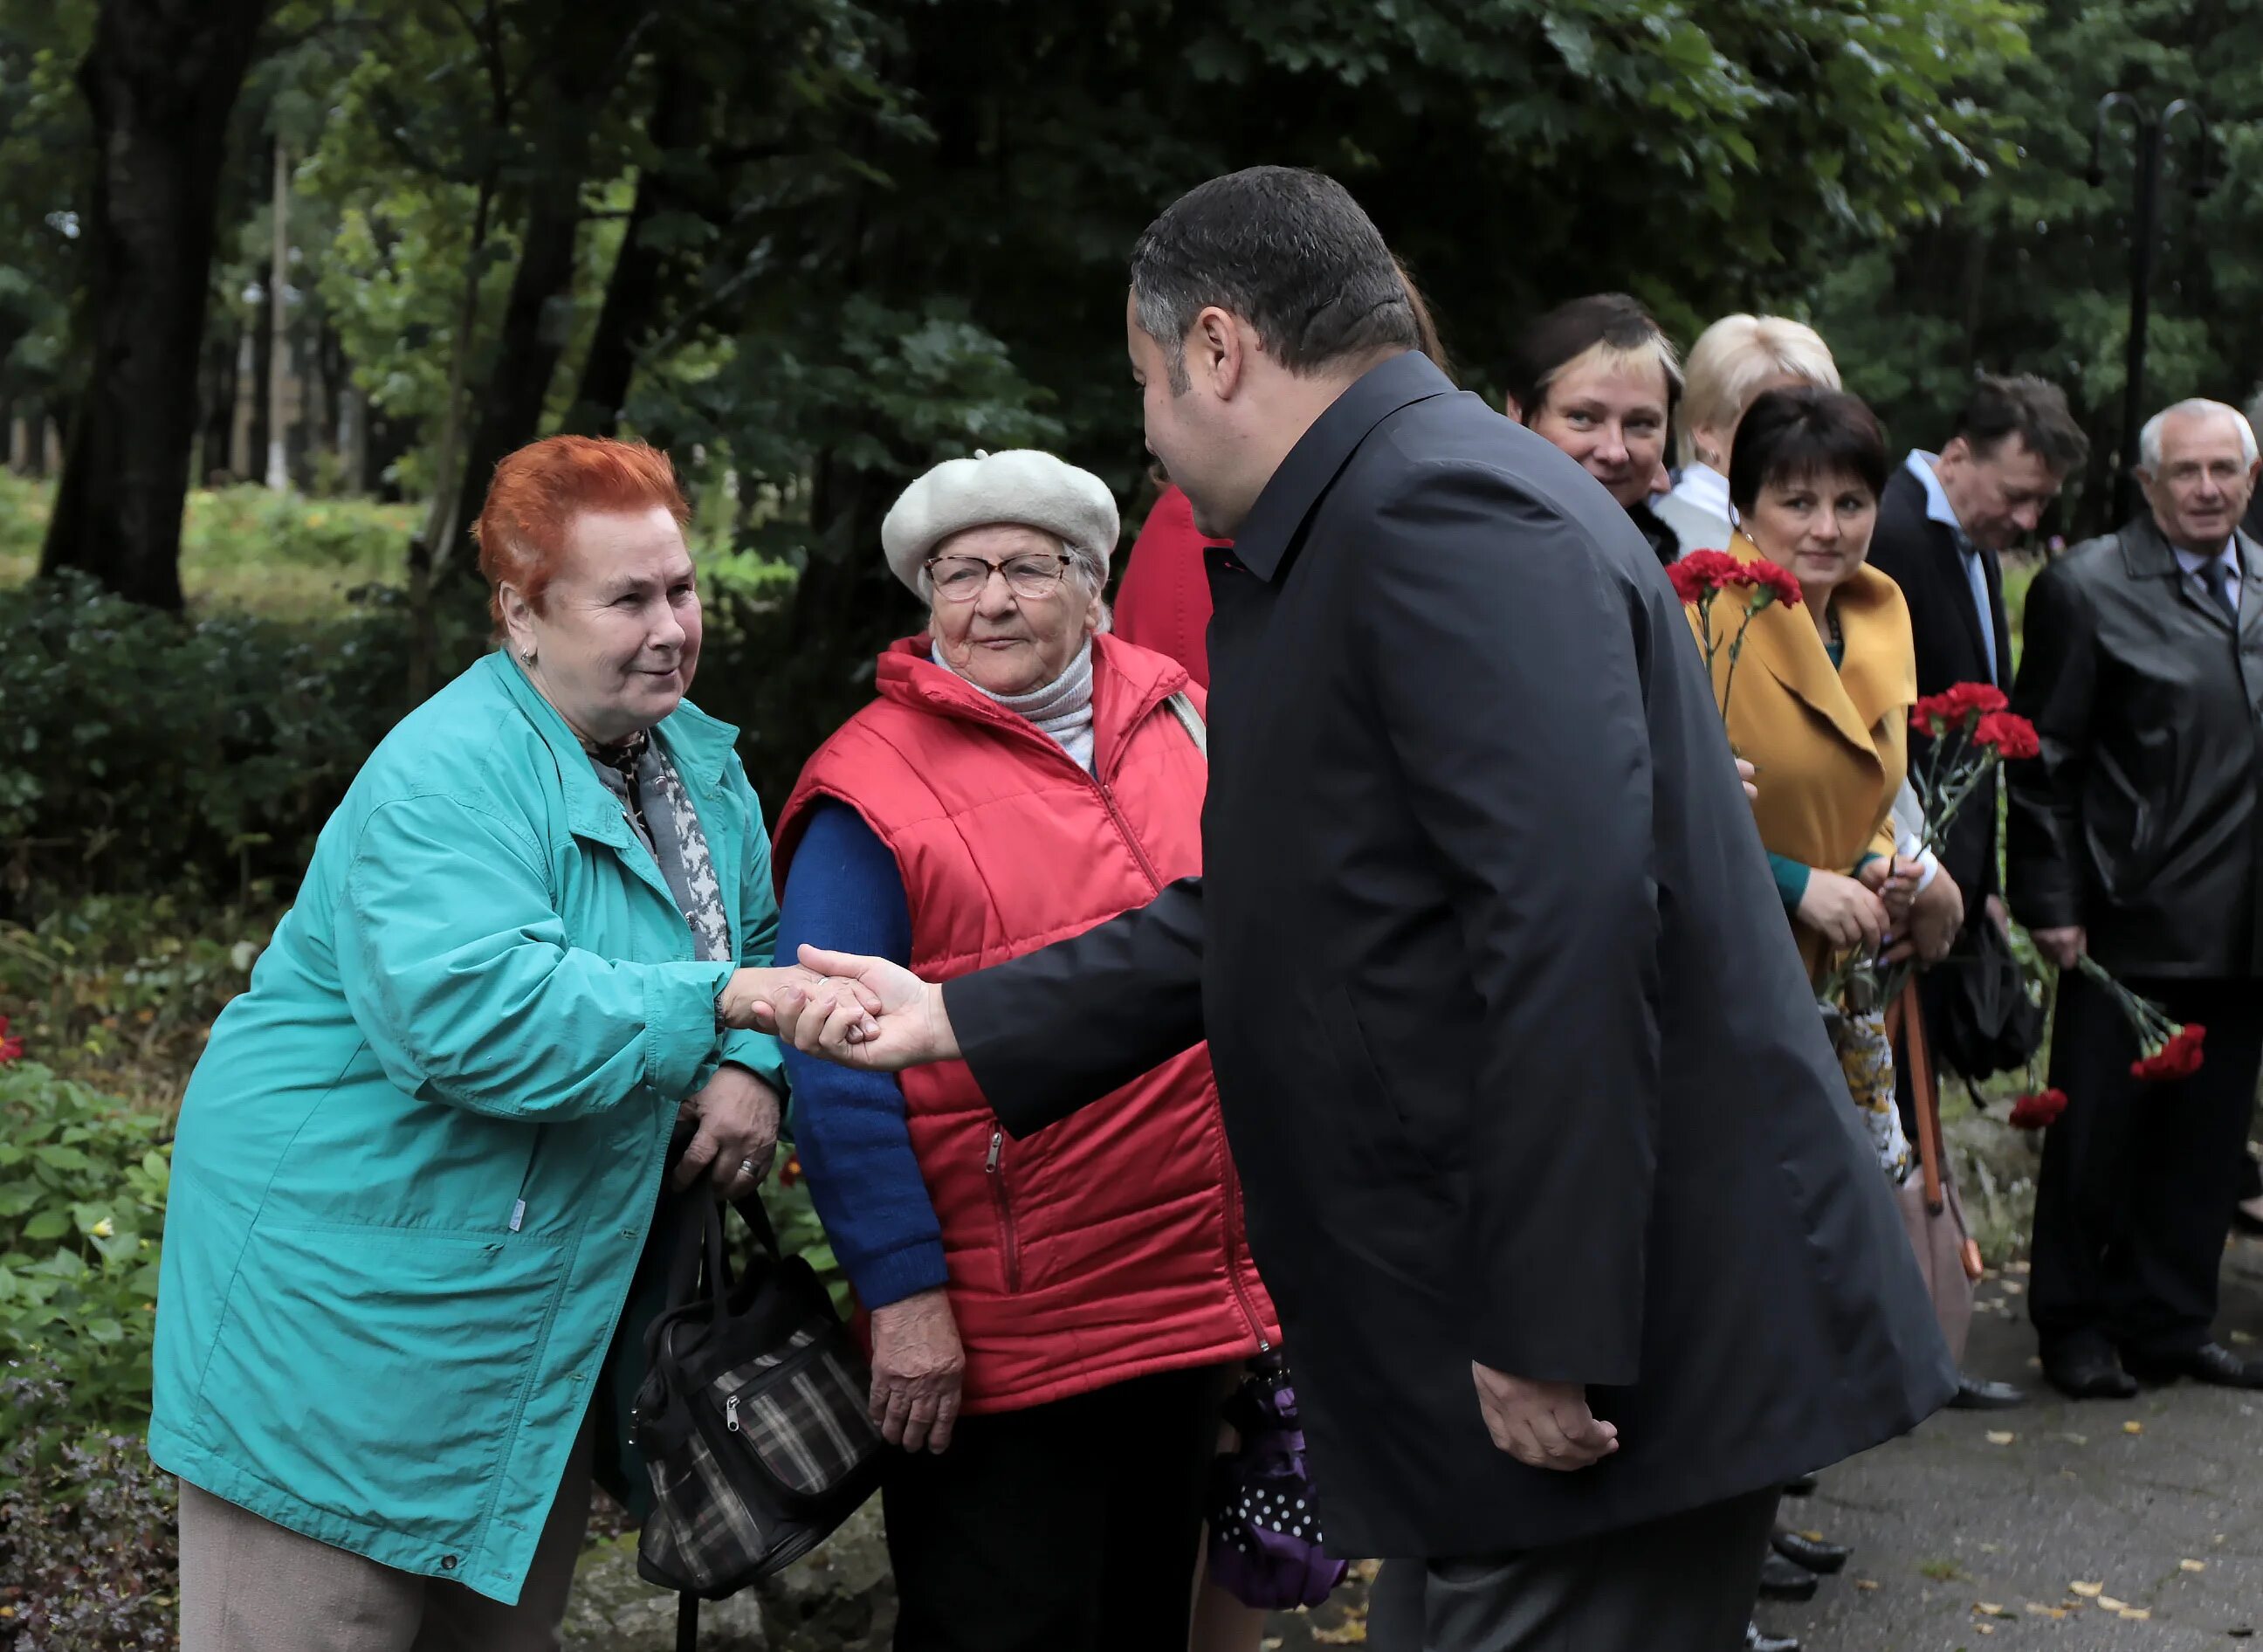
(1062, 709)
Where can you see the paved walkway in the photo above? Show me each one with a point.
(2106, 1526)
(2155, 1502)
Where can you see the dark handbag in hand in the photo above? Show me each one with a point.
(1978, 1007)
(753, 1419)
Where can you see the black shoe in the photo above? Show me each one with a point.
(2087, 1373)
(1782, 1580)
(1803, 1486)
(1811, 1554)
(1978, 1394)
(2210, 1362)
(1758, 1640)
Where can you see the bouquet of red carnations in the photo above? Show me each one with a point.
(1973, 732)
(1699, 579)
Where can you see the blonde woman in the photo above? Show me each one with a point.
(1733, 362)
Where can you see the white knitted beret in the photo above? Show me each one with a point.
(1023, 486)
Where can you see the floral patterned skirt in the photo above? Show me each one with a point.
(1865, 1056)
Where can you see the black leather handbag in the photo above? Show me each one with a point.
(1978, 1008)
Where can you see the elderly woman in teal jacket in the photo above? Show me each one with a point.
(418, 1162)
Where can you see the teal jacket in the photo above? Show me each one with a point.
(418, 1159)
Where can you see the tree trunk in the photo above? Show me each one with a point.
(160, 79)
(630, 315)
(244, 415)
(584, 57)
(279, 397)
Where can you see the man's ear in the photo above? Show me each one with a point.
(1218, 351)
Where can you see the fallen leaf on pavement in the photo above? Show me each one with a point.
(1352, 1633)
(2112, 1605)
(2000, 1437)
(2135, 1614)
(1989, 1608)
(1813, 1537)
(2192, 1566)
(2133, 1427)
(1866, 1583)
(2088, 1592)
(2042, 1611)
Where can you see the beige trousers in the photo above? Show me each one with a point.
(250, 1585)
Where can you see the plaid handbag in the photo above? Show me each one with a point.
(752, 1418)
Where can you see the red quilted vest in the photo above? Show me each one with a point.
(1111, 1245)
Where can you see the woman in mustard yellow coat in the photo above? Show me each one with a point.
(1821, 705)
(1823, 690)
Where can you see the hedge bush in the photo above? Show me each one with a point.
(144, 750)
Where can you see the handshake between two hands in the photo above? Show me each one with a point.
(871, 1014)
(861, 1013)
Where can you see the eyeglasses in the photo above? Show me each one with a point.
(964, 578)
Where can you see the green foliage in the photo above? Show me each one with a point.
(120, 992)
(140, 748)
(87, 1551)
(82, 1181)
(2028, 270)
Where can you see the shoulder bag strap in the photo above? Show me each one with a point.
(1190, 720)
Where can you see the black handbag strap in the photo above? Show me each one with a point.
(699, 1263)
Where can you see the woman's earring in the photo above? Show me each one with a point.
(526, 656)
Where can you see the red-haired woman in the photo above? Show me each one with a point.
(419, 1158)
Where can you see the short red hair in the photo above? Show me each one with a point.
(538, 490)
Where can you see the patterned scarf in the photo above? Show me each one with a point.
(676, 840)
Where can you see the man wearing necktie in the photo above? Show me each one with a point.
(2134, 836)
(1942, 522)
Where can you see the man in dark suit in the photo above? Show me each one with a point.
(1577, 1249)
(2135, 837)
(1943, 521)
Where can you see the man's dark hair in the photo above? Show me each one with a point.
(1287, 251)
(1805, 433)
(2033, 410)
(1610, 320)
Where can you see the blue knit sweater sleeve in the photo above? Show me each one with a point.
(844, 892)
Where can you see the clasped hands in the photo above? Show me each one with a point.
(857, 1011)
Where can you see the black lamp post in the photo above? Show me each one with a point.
(2150, 131)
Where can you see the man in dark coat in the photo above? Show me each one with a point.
(1943, 522)
(1579, 1251)
(2135, 837)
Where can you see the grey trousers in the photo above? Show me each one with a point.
(250, 1585)
(1681, 1584)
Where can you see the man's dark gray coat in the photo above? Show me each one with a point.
(1517, 1060)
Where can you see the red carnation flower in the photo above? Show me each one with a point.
(2012, 738)
(1957, 707)
(2179, 1058)
(1702, 573)
(789, 1172)
(10, 1049)
(2034, 1112)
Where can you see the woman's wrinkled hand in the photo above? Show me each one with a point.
(751, 999)
(917, 1366)
(738, 1117)
(1843, 910)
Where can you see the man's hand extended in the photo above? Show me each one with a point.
(868, 1013)
(1543, 1425)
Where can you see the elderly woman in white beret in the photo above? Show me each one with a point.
(1051, 1319)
